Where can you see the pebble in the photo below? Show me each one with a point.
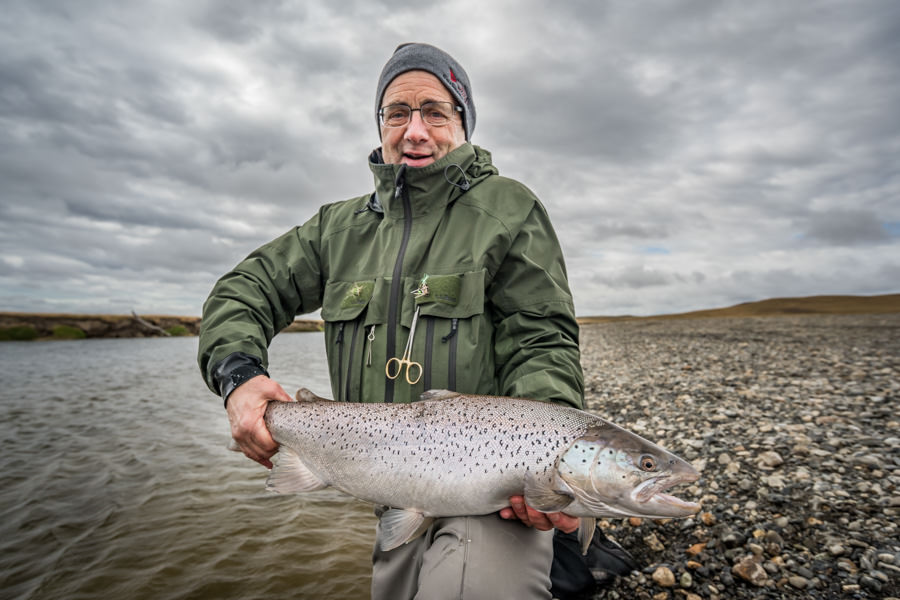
(769, 459)
(664, 577)
(653, 543)
(792, 422)
(750, 570)
(696, 549)
(870, 583)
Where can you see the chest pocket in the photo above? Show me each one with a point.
(343, 308)
(454, 334)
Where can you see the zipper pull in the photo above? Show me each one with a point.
(398, 182)
(454, 324)
(371, 338)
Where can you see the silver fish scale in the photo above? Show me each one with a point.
(464, 455)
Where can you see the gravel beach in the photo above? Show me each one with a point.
(794, 423)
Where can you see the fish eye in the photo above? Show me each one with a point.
(647, 463)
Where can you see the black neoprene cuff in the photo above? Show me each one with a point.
(235, 369)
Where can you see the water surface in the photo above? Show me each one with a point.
(115, 482)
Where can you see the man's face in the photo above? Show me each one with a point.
(418, 144)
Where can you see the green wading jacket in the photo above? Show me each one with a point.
(495, 311)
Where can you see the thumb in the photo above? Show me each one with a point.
(283, 396)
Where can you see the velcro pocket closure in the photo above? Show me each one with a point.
(346, 300)
(457, 295)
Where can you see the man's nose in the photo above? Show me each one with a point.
(416, 128)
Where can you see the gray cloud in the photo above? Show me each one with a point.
(690, 155)
(846, 228)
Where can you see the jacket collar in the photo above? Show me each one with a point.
(429, 187)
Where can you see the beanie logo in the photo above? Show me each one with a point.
(458, 86)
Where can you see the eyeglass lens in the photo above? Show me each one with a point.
(433, 113)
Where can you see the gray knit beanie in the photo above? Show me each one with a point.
(422, 57)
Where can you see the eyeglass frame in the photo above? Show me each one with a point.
(457, 109)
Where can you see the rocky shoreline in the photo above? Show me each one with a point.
(794, 423)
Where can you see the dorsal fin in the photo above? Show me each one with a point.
(304, 395)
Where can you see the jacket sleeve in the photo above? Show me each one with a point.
(256, 300)
(536, 345)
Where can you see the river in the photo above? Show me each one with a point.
(115, 482)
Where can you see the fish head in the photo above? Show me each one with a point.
(613, 472)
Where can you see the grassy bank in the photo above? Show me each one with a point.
(43, 326)
(781, 307)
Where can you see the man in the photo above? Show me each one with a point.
(446, 258)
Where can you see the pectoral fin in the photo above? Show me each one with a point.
(586, 529)
(547, 496)
(398, 526)
(291, 476)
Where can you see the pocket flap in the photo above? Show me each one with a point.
(457, 295)
(345, 300)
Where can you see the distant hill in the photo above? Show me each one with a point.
(30, 326)
(811, 305)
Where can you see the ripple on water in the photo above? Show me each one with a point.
(115, 482)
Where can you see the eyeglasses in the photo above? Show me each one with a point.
(437, 114)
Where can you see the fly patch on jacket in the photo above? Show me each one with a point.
(358, 295)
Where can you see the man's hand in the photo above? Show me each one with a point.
(246, 408)
(542, 521)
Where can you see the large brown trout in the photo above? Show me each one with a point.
(452, 454)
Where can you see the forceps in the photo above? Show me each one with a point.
(411, 365)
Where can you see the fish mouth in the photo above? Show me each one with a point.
(650, 493)
(676, 504)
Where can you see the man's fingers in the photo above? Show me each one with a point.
(539, 520)
(519, 508)
(246, 412)
(259, 450)
(563, 522)
(254, 440)
(535, 518)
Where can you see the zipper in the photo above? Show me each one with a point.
(400, 193)
(429, 343)
(451, 360)
(368, 344)
(370, 341)
(350, 359)
(339, 342)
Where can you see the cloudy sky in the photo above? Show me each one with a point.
(692, 154)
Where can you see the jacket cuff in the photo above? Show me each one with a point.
(235, 369)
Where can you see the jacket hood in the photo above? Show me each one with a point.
(432, 186)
